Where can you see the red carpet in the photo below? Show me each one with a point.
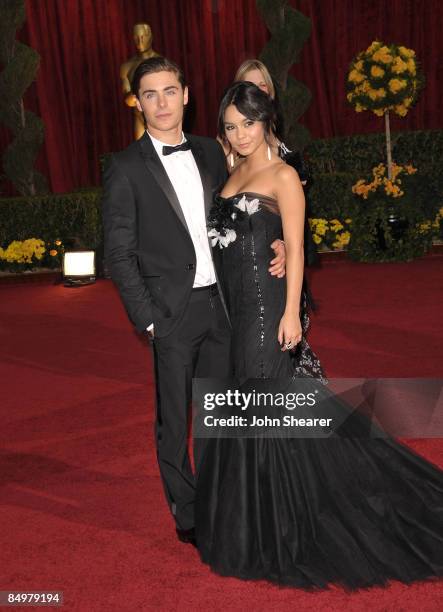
(82, 507)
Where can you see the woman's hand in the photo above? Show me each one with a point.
(289, 331)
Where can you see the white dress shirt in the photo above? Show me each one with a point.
(184, 175)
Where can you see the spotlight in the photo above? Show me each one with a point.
(78, 268)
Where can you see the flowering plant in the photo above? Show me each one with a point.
(392, 218)
(391, 186)
(22, 255)
(432, 226)
(333, 234)
(23, 251)
(384, 78)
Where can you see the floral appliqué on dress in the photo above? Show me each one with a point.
(223, 218)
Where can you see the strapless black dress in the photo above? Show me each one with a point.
(304, 512)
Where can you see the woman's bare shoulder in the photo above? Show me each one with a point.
(286, 173)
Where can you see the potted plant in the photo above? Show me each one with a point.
(386, 79)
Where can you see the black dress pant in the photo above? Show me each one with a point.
(199, 347)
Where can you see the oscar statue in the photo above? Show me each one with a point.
(143, 43)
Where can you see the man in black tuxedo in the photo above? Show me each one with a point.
(157, 195)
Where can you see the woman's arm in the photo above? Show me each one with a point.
(291, 201)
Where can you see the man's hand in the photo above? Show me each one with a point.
(278, 264)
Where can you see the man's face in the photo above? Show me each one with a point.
(142, 38)
(162, 99)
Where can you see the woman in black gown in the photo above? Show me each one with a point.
(299, 512)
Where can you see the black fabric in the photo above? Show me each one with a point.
(184, 146)
(308, 512)
(198, 347)
(148, 248)
(152, 260)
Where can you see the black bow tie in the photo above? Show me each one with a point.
(184, 146)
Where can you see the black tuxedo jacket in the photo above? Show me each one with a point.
(148, 248)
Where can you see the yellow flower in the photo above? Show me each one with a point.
(316, 238)
(379, 111)
(53, 253)
(412, 68)
(359, 65)
(396, 170)
(424, 227)
(23, 251)
(411, 170)
(398, 65)
(406, 52)
(379, 170)
(335, 225)
(401, 110)
(376, 94)
(349, 96)
(355, 76)
(373, 46)
(348, 220)
(341, 240)
(58, 242)
(382, 55)
(359, 107)
(364, 87)
(344, 237)
(395, 85)
(392, 190)
(376, 71)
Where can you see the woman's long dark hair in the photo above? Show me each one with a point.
(251, 102)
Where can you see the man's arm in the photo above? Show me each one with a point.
(121, 243)
(277, 266)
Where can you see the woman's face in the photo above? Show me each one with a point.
(255, 76)
(243, 134)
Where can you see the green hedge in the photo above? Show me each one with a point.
(330, 195)
(49, 217)
(358, 154)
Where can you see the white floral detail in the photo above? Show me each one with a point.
(223, 241)
(250, 207)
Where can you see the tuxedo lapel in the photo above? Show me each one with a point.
(157, 170)
(198, 153)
